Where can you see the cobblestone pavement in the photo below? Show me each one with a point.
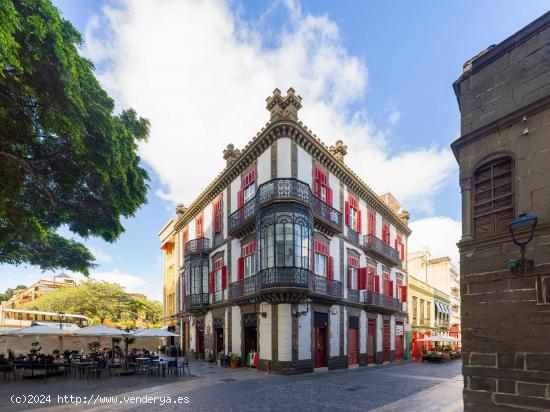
(402, 386)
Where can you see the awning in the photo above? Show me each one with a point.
(447, 309)
(438, 307)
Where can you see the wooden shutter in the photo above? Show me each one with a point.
(316, 182)
(211, 282)
(329, 196)
(224, 277)
(347, 213)
(330, 272)
(358, 228)
(404, 293)
(390, 284)
(240, 198)
(362, 278)
(377, 284)
(493, 200)
(371, 222)
(240, 268)
(386, 232)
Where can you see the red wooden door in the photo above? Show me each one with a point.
(386, 341)
(320, 348)
(371, 341)
(398, 347)
(200, 341)
(353, 352)
(219, 341)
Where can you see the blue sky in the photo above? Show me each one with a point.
(397, 60)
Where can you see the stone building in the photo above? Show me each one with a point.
(504, 158)
(290, 255)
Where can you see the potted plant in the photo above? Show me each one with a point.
(234, 360)
(93, 347)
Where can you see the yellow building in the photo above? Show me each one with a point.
(170, 274)
(420, 301)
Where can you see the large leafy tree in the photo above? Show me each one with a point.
(103, 301)
(66, 159)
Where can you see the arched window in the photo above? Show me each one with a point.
(493, 203)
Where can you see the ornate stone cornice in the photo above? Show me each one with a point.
(304, 137)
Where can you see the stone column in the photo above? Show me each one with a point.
(466, 191)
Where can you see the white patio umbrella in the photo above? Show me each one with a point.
(37, 330)
(154, 333)
(448, 339)
(100, 330)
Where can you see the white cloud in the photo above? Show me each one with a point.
(439, 234)
(99, 254)
(201, 75)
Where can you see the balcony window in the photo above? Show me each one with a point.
(196, 273)
(285, 237)
(322, 263)
(320, 185)
(248, 188)
(353, 272)
(249, 193)
(353, 214)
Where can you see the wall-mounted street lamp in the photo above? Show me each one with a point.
(522, 229)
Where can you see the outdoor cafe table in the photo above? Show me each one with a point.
(38, 366)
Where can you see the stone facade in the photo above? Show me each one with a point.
(504, 99)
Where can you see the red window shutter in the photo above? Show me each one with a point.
(240, 268)
(316, 183)
(391, 288)
(329, 196)
(211, 282)
(358, 229)
(240, 198)
(330, 272)
(347, 213)
(252, 176)
(402, 252)
(404, 293)
(362, 278)
(224, 277)
(371, 222)
(377, 284)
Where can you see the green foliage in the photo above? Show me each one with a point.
(8, 294)
(65, 157)
(99, 300)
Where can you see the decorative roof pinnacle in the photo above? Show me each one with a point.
(284, 107)
(339, 150)
(230, 154)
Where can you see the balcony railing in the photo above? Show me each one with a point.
(195, 300)
(353, 235)
(284, 189)
(374, 244)
(285, 278)
(200, 245)
(353, 295)
(381, 301)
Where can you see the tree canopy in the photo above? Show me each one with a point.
(66, 159)
(103, 301)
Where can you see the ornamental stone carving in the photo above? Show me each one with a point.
(230, 154)
(284, 107)
(405, 216)
(180, 210)
(339, 150)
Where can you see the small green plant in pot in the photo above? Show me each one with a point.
(234, 360)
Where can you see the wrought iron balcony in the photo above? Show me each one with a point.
(285, 280)
(353, 235)
(353, 295)
(195, 301)
(284, 190)
(383, 251)
(381, 301)
(200, 245)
